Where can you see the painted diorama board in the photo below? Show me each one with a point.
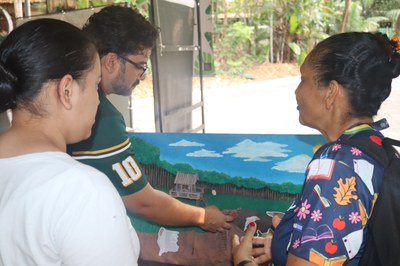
(253, 174)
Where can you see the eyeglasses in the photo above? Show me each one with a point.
(136, 65)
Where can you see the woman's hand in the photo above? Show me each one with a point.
(256, 250)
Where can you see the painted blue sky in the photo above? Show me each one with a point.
(271, 158)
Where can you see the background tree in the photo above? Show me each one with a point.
(285, 30)
(345, 15)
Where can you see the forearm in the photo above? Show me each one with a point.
(167, 210)
(161, 208)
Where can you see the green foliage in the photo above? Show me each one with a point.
(287, 187)
(213, 177)
(239, 34)
(241, 38)
(209, 10)
(393, 14)
(208, 63)
(298, 51)
(208, 36)
(310, 23)
(355, 21)
(379, 7)
(294, 27)
(295, 48)
(293, 23)
(136, 3)
(246, 32)
(145, 152)
(261, 205)
(81, 4)
(175, 168)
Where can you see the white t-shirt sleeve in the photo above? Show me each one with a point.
(94, 228)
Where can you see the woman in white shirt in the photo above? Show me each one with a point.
(54, 210)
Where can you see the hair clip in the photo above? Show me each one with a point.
(395, 42)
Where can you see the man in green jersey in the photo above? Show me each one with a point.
(124, 39)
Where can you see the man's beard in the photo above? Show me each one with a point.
(120, 88)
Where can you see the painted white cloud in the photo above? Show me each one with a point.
(186, 143)
(257, 151)
(296, 164)
(204, 153)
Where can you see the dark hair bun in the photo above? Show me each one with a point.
(8, 86)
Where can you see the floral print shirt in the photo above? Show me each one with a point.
(326, 222)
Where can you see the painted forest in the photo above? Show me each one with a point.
(161, 174)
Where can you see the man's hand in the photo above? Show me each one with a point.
(215, 220)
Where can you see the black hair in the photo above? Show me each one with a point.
(121, 30)
(36, 52)
(363, 63)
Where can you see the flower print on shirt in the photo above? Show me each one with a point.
(354, 217)
(296, 244)
(355, 151)
(336, 147)
(303, 210)
(316, 215)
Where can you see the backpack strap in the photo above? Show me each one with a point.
(389, 143)
(383, 242)
(383, 154)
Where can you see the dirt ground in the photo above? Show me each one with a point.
(261, 72)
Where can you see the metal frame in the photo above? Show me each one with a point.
(163, 114)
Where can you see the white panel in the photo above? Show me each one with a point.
(189, 3)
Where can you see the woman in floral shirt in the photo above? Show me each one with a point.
(344, 81)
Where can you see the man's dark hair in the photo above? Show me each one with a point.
(121, 30)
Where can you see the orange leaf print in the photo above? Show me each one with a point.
(344, 193)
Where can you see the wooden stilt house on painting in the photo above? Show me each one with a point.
(185, 186)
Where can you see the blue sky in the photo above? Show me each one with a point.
(271, 158)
